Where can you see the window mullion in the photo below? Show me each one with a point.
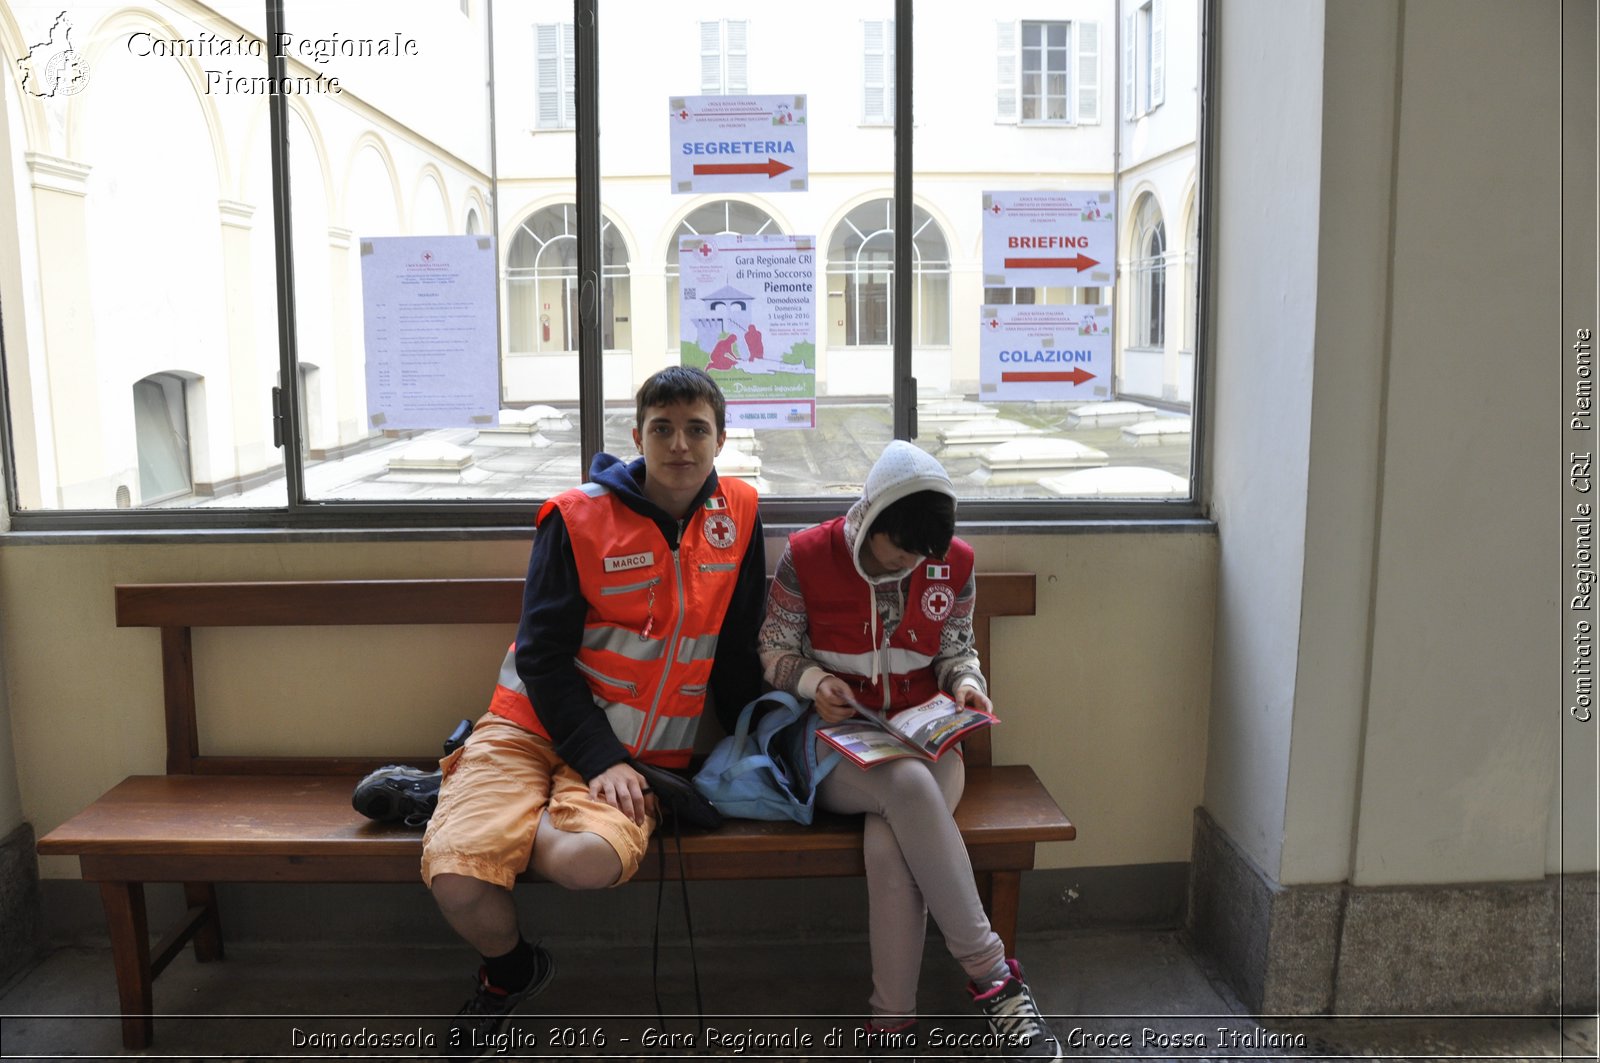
(905, 388)
(591, 428)
(288, 391)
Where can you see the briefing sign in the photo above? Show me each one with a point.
(1048, 239)
(1045, 353)
(738, 143)
(749, 318)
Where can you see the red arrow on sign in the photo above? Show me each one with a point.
(1077, 376)
(772, 167)
(1077, 262)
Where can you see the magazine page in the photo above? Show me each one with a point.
(865, 742)
(937, 723)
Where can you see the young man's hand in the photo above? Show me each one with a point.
(624, 789)
(834, 702)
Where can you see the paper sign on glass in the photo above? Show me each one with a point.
(738, 144)
(1049, 239)
(1045, 353)
(428, 309)
(749, 317)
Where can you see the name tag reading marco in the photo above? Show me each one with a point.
(622, 564)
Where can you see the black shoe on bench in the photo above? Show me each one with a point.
(398, 794)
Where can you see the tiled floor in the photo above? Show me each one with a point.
(1111, 993)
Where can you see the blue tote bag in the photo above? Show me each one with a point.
(771, 773)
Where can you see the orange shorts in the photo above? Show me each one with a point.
(494, 788)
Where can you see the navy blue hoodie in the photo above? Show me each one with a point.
(554, 610)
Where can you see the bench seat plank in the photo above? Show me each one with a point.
(164, 826)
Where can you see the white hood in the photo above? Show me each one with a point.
(902, 469)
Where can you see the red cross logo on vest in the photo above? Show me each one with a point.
(937, 601)
(720, 531)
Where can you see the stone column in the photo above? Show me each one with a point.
(344, 361)
(249, 407)
(80, 452)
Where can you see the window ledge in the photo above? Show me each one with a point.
(523, 531)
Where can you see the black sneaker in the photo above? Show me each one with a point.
(396, 793)
(1014, 1018)
(472, 1034)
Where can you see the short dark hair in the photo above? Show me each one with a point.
(680, 383)
(922, 522)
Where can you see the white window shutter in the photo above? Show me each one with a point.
(1088, 73)
(1005, 72)
(873, 88)
(1158, 53)
(888, 71)
(710, 58)
(569, 75)
(738, 57)
(548, 63)
(1130, 68)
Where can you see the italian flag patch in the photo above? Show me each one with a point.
(938, 571)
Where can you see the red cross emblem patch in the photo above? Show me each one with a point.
(937, 601)
(720, 531)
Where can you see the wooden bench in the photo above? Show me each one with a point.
(213, 819)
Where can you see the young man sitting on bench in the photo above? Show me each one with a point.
(645, 588)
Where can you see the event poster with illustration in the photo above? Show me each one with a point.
(749, 317)
(1045, 353)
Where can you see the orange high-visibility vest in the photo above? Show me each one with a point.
(839, 625)
(654, 614)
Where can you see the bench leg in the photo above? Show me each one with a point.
(130, 953)
(1005, 890)
(208, 934)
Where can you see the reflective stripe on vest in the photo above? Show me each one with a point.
(651, 632)
(900, 661)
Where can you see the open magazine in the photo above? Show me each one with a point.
(925, 731)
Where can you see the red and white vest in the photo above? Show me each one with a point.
(651, 632)
(838, 604)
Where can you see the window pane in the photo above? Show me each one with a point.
(412, 409)
(146, 316)
(839, 370)
(127, 392)
(1067, 414)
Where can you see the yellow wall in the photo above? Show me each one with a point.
(1105, 691)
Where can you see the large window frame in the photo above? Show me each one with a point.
(500, 519)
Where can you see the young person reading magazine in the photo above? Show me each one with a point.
(875, 608)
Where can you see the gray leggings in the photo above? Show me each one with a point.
(916, 865)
